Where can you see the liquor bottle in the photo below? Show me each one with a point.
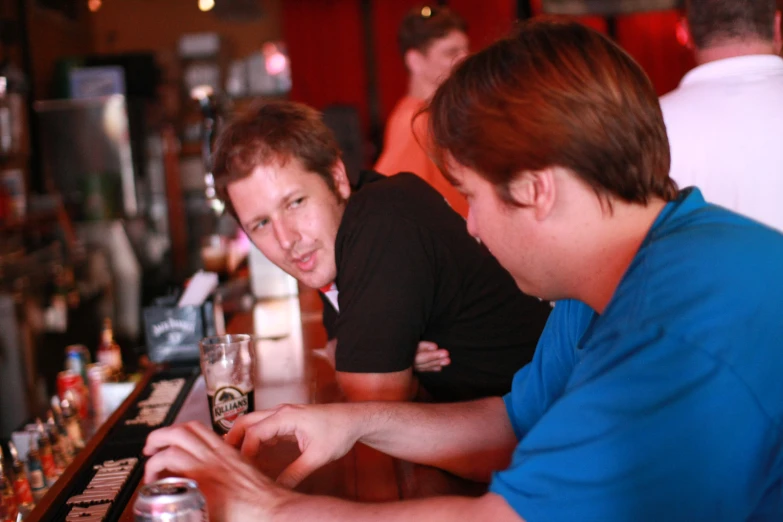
(24, 493)
(55, 418)
(37, 478)
(9, 508)
(61, 460)
(46, 454)
(71, 422)
(109, 352)
(6, 137)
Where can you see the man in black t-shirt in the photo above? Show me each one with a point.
(394, 260)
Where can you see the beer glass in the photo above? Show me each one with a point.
(228, 366)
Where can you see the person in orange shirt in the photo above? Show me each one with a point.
(432, 40)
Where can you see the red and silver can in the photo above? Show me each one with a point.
(170, 500)
(97, 374)
(69, 380)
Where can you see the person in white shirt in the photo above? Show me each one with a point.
(725, 120)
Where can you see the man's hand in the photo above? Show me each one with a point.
(324, 433)
(429, 358)
(233, 488)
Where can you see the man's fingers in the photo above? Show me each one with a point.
(299, 470)
(208, 437)
(430, 359)
(172, 461)
(426, 357)
(236, 435)
(267, 429)
(427, 346)
(193, 437)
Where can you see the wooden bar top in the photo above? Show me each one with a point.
(291, 368)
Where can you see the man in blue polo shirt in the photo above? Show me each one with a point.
(656, 390)
(667, 404)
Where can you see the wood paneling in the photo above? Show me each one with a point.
(54, 36)
(156, 25)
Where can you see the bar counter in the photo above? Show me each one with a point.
(291, 368)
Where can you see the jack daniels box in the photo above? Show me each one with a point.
(105, 482)
(172, 332)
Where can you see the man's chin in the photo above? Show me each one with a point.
(531, 290)
(314, 281)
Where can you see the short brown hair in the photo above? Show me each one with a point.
(275, 131)
(423, 25)
(713, 21)
(555, 94)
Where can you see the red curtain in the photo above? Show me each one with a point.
(487, 20)
(650, 39)
(325, 42)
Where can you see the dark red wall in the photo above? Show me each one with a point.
(326, 47)
(326, 43)
(650, 39)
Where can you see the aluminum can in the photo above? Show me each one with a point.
(97, 374)
(69, 380)
(170, 500)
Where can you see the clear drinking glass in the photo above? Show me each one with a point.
(228, 366)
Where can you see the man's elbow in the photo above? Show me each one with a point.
(376, 387)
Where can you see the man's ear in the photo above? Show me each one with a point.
(414, 61)
(341, 183)
(683, 32)
(536, 190)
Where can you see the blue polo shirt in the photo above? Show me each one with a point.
(668, 406)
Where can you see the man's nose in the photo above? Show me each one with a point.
(286, 233)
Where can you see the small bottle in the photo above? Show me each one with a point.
(37, 478)
(71, 422)
(109, 352)
(9, 507)
(55, 418)
(24, 493)
(61, 455)
(46, 454)
(60, 459)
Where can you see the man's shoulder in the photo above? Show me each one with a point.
(707, 272)
(713, 242)
(401, 195)
(744, 80)
(407, 107)
(710, 229)
(681, 100)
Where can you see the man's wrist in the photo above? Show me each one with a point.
(283, 505)
(370, 420)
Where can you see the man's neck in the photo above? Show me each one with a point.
(418, 88)
(733, 49)
(613, 245)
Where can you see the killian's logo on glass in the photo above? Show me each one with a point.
(229, 404)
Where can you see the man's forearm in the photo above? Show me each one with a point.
(470, 439)
(327, 509)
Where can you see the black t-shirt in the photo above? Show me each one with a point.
(408, 271)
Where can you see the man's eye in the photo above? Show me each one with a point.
(295, 203)
(259, 225)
